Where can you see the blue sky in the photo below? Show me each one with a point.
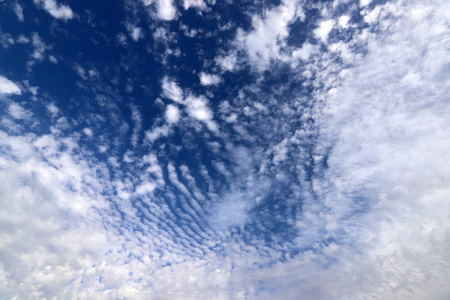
(204, 149)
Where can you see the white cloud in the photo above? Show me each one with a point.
(8, 87)
(121, 38)
(145, 188)
(172, 114)
(80, 71)
(304, 53)
(171, 90)
(324, 29)
(88, 131)
(209, 79)
(343, 21)
(23, 39)
(18, 9)
(377, 227)
(18, 112)
(136, 116)
(56, 10)
(165, 9)
(200, 4)
(263, 43)
(53, 59)
(53, 109)
(227, 63)
(135, 32)
(39, 47)
(157, 133)
(387, 169)
(197, 108)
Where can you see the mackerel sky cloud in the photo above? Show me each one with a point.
(202, 149)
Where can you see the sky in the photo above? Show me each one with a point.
(207, 149)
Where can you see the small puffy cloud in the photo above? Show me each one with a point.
(200, 4)
(166, 10)
(343, 21)
(156, 133)
(171, 90)
(364, 2)
(135, 32)
(8, 87)
(172, 114)
(209, 79)
(305, 51)
(53, 59)
(145, 188)
(324, 29)
(53, 109)
(121, 38)
(227, 63)
(18, 112)
(197, 108)
(87, 131)
(56, 10)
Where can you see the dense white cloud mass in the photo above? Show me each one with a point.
(324, 29)
(8, 87)
(166, 10)
(172, 114)
(330, 182)
(56, 10)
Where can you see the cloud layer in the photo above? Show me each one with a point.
(297, 149)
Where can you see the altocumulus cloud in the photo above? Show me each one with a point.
(293, 150)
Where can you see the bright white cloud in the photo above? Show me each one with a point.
(8, 87)
(209, 79)
(56, 10)
(166, 10)
(200, 4)
(197, 108)
(324, 29)
(343, 21)
(172, 114)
